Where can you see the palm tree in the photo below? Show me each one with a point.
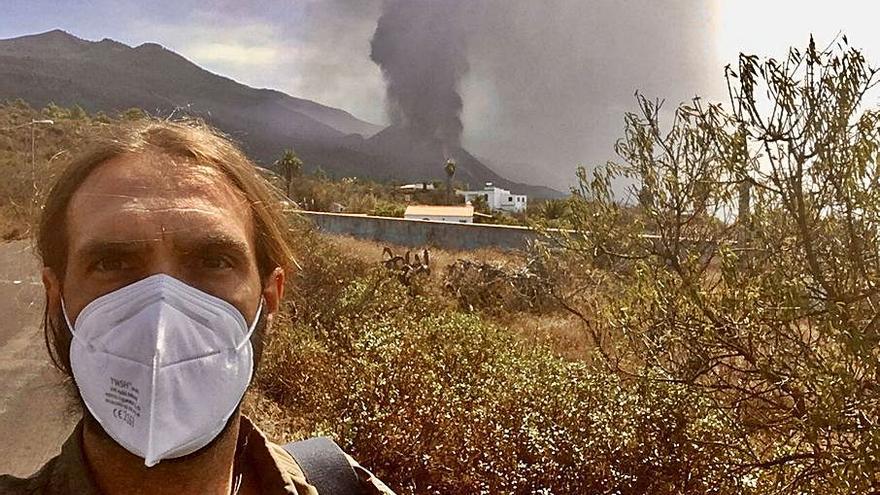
(555, 209)
(290, 167)
(449, 168)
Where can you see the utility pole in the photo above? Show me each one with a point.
(34, 124)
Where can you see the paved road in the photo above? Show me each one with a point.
(36, 414)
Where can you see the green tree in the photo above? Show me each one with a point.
(134, 114)
(749, 271)
(77, 113)
(481, 205)
(290, 167)
(56, 112)
(549, 214)
(21, 104)
(553, 209)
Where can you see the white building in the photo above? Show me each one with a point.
(497, 198)
(458, 214)
(421, 186)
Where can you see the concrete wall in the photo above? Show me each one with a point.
(418, 233)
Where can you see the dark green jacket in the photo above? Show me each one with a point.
(68, 473)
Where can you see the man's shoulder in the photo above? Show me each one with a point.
(296, 475)
(325, 457)
(35, 484)
(13, 485)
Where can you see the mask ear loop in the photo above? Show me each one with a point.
(67, 319)
(253, 326)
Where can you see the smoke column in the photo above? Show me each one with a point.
(420, 47)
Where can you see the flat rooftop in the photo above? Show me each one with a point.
(440, 211)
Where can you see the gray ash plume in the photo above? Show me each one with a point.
(420, 47)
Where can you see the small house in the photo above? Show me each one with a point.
(421, 186)
(497, 198)
(457, 214)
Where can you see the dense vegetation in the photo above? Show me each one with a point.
(758, 288)
(732, 349)
(712, 330)
(438, 396)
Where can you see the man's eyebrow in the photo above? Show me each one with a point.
(213, 243)
(99, 248)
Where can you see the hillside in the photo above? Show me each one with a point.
(110, 76)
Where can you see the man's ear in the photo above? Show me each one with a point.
(273, 291)
(52, 285)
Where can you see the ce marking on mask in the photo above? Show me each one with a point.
(124, 397)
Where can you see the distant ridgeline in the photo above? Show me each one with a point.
(111, 77)
(72, 126)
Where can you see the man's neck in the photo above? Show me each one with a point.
(117, 471)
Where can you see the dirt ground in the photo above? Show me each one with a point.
(36, 414)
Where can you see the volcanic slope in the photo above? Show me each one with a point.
(111, 77)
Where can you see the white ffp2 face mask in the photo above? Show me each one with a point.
(161, 365)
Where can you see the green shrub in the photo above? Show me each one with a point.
(758, 286)
(498, 289)
(388, 209)
(133, 114)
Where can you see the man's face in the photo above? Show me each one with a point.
(138, 215)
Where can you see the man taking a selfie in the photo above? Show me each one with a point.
(164, 261)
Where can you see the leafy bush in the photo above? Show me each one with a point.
(356, 196)
(551, 213)
(388, 209)
(498, 289)
(438, 401)
(745, 267)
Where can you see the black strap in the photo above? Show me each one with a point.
(325, 466)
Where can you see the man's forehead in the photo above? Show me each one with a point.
(134, 195)
(155, 175)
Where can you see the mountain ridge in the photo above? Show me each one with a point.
(111, 76)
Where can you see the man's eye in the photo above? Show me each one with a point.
(215, 262)
(111, 265)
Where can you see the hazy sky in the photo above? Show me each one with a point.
(548, 81)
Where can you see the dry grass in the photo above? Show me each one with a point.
(13, 225)
(560, 330)
(563, 332)
(23, 185)
(371, 252)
